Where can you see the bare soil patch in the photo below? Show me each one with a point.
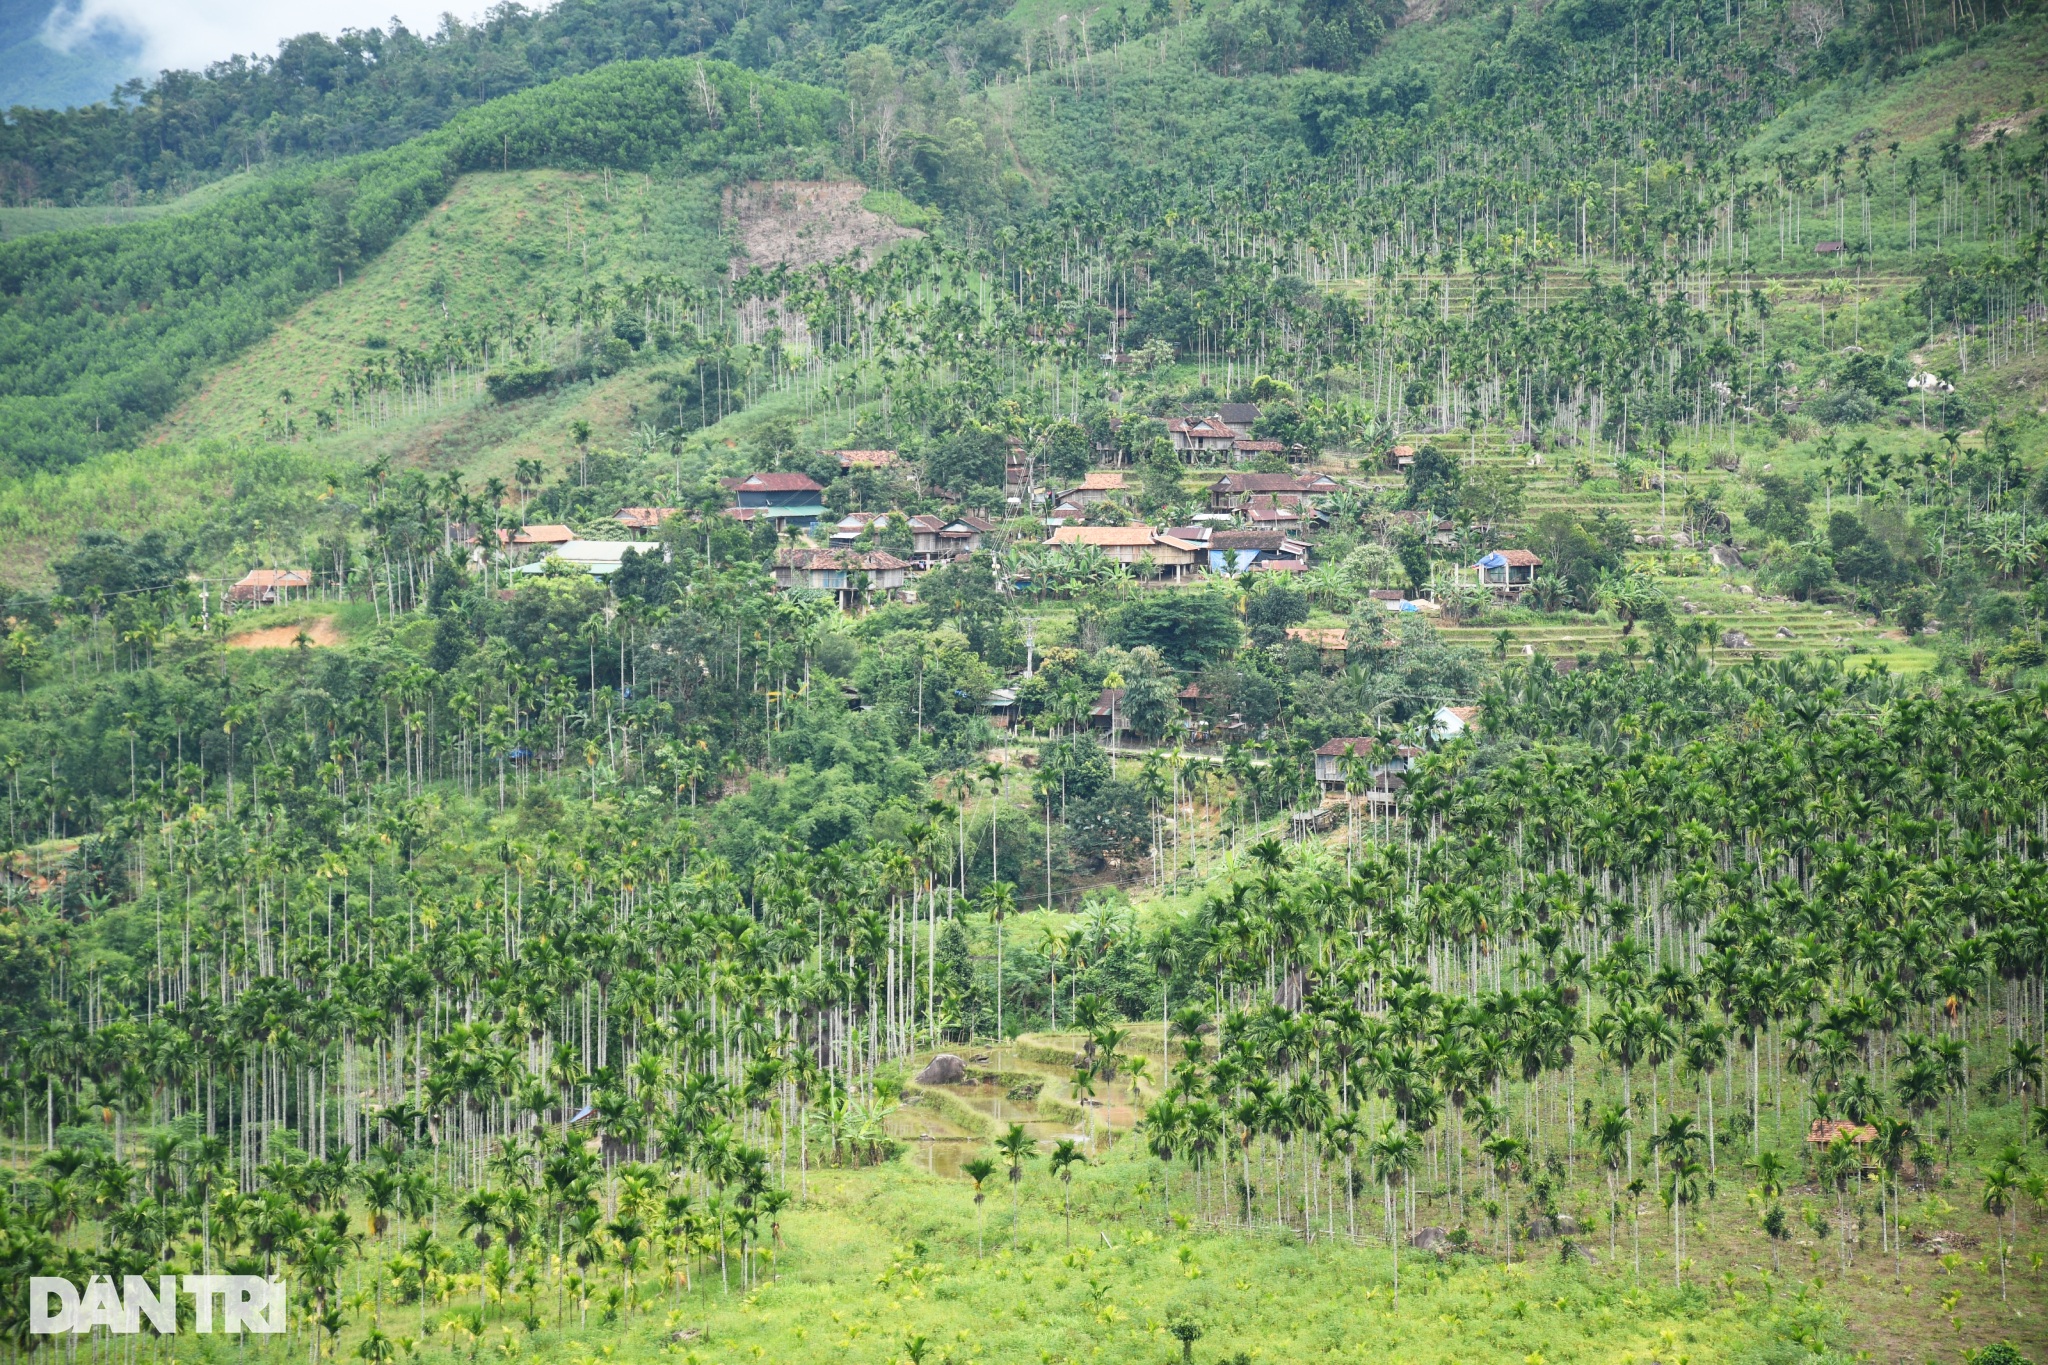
(2011, 126)
(319, 629)
(807, 222)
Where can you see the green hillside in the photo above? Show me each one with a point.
(486, 263)
(1414, 727)
(109, 328)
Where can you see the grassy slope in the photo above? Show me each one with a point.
(497, 246)
(1991, 80)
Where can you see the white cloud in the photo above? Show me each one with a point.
(192, 33)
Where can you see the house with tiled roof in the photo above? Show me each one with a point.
(1451, 721)
(266, 587)
(939, 540)
(1275, 513)
(643, 518)
(1235, 490)
(848, 528)
(1507, 572)
(1335, 758)
(854, 575)
(783, 496)
(1099, 484)
(1233, 552)
(1202, 438)
(1132, 545)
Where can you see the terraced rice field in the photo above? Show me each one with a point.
(1773, 626)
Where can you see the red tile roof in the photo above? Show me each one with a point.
(850, 560)
(276, 578)
(1257, 483)
(780, 482)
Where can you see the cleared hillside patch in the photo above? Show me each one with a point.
(802, 223)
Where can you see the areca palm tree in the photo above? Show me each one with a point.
(978, 1170)
(2001, 1184)
(1017, 1147)
(1065, 1156)
(998, 901)
(1393, 1156)
(1610, 1134)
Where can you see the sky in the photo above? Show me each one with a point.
(192, 33)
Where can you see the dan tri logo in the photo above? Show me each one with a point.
(248, 1303)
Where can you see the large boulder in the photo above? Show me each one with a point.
(1429, 1239)
(1568, 1226)
(944, 1069)
(1541, 1229)
(1734, 639)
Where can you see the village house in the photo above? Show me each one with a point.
(1005, 712)
(936, 540)
(1065, 512)
(1234, 552)
(1016, 483)
(1336, 757)
(1106, 714)
(1243, 416)
(530, 537)
(1332, 642)
(1451, 721)
(1507, 572)
(1275, 514)
(1100, 484)
(267, 587)
(600, 558)
(1235, 491)
(854, 575)
(1136, 546)
(786, 498)
(848, 528)
(643, 518)
(1198, 439)
(1436, 530)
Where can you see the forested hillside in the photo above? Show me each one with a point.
(106, 329)
(1391, 662)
